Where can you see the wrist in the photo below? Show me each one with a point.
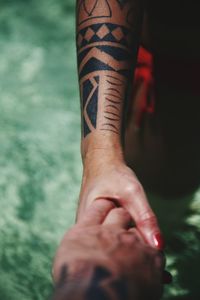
(95, 148)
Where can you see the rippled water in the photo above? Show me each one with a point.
(40, 160)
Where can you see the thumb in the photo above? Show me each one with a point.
(119, 217)
(144, 218)
(96, 212)
(147, 224)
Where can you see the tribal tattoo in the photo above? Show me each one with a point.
(107, 40)
(104, 287)
(101, 285)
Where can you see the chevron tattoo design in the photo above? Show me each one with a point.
(101, 285)
(90, 91)
(97, 291)
(106, 43)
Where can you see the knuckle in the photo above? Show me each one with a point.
(134, 188)
(128, 238)
(103, 204)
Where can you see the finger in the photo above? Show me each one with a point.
(96, 212)
(144, 218)
(118, 217)
(160, 258)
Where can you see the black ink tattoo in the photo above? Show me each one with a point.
(90, 97)
(105, 46)
(63, 276)
(106, 32)
(103, 286)
(93, 9)
(103, 58)
(95, 290)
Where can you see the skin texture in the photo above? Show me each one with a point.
(107, 42)
(99, 258)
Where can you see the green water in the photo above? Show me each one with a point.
(40, 161)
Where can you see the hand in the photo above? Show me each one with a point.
(107, 177)
(100, 247)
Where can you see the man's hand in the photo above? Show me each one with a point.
(107, 177)
(99, 251)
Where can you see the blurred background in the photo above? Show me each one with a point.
(39, 137)
(40, 165)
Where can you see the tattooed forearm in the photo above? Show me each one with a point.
(107, 39)
(101, 285)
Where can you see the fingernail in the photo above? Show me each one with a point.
(159, 241)
(167, 277)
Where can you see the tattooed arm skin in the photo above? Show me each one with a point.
(102, 284)
(107, 41)
(98, 284)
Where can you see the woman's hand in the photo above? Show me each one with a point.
(106, 176)
(99, 251)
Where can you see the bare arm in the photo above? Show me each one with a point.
(107, 41)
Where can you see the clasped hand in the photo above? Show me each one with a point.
(102, 241)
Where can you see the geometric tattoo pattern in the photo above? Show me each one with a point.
(114, 59)
(89, 91)
(98, 291)
(113, 99)
(104, 32)
(105, 48)
(94, 9)
(98, 9)
(101, 286)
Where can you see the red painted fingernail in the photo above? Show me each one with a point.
(159, 241)
(167, 277)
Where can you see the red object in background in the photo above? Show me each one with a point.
(175, 72)
(144, 75)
